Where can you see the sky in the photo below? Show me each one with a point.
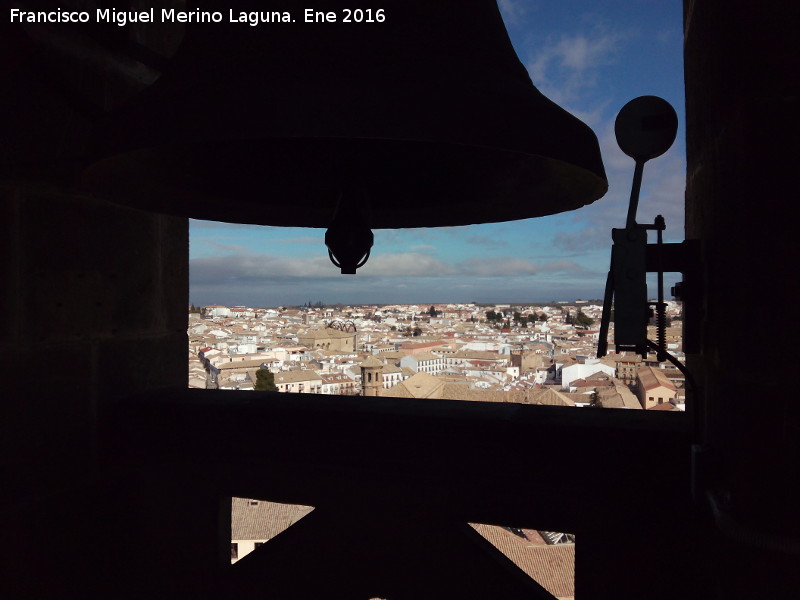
(589, 57)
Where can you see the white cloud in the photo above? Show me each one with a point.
(663, 193)
(270, 268)
(562, 265)
(406, 264)
(498, 267)
(613, 157)
(591, 237)
(309, 239)
(234, 248)
(593, 118)
(485, 240)
(563, 67)
(257, 267)
(581, 53)
(514, 267)
(512, 11)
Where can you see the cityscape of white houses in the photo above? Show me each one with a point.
(541, 354)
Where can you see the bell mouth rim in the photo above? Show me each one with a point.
(198, 179)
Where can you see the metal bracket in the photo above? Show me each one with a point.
(631, 259)
(645, 128)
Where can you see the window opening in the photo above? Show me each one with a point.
(533, 297)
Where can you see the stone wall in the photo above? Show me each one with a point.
(93, 301)
(742, 155)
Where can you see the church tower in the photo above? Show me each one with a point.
(371, 377)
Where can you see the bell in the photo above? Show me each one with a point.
(422, 106)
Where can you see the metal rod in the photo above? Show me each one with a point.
(605, 320)
(659, 223)
(661, 307)
(635, 188)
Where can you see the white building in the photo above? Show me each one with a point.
(583, 370)
(424, 362)
(216, 311)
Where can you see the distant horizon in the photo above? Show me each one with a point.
(380, 304)
(287, 290)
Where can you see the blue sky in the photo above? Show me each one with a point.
(589, 57)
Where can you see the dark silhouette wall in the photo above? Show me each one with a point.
(93, 299)
(742, 155)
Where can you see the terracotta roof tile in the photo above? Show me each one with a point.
(261, 520)
(296, 376)
(652, 378)
(663, 406)
(372, 361)
(552, 566)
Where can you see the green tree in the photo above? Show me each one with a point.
(432, 312)
(583, 320)
(543, 318)
(265, 381)
(417, 332)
